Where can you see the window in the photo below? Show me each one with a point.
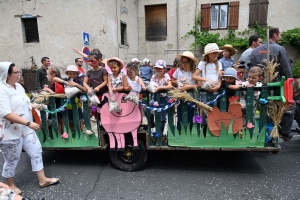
(123, 33)
(30, 29)
(220, 16)
(156, 22)
(258, 12)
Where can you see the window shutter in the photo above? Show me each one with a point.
(258, 11)
(205, 17)
(234, 15)
(156, 22)
(263, 12)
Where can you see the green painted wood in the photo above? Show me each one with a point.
(52, 106)
(263, 108)
(170, 116)
(184, 122)
(65, 116)
(75, 117)
(158, 120)
(86, 115)
(44, 133)
(223, 101)
(249, 106)
(148, 115)
(225, 140)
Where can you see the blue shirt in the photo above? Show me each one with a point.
(146, 72)
(75, 81)
(226, 62)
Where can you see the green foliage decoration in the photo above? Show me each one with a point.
(238, 39)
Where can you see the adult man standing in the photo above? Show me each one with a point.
(41, 74)
(254, 41)
(79, 63)
(279, 55)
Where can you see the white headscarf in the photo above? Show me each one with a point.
(4, 70)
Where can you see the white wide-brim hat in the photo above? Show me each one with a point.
(211, 48)
(72, 68)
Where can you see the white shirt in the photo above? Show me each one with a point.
(17, 102)
(135, 86)
(209, 71)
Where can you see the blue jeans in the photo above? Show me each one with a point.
(203, 99)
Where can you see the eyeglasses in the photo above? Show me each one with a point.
(17, 72)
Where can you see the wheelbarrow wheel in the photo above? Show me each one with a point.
(129, 159)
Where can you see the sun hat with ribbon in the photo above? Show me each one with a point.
(4, 70)
(188, 54)
(231, 72)
(72, 68)
(211, 48)
(230, 48)
(116, 59)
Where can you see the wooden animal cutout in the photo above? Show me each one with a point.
(216, 117)
(117, 124)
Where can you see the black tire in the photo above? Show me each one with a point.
(129, 159)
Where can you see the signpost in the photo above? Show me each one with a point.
(86, 38)
(86, 50)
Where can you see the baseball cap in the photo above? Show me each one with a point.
(135, 60)
(160, 64)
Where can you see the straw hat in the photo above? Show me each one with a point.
(230, 48)
(115, 59)
(211, 48)
(188, 54)
(72, 68)
(104, 61)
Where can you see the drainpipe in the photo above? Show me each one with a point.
(118, 24)
(177, 20)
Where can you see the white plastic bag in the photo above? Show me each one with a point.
(71, 91)
(151, 87)
(133, 97)
(94, 99)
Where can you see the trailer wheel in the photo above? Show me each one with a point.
(129, 159)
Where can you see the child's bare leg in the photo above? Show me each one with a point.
(81, 125)
(60, 126)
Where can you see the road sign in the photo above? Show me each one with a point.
(86, 50)
(86, 38)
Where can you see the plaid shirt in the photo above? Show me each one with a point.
(41, 78)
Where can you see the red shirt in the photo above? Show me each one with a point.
(81, 70)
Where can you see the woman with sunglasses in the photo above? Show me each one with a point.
(17, 130)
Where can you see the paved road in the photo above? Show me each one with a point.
(169, 175)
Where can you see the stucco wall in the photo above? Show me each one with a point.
(62, 22)
(60, 29)
(279, 13)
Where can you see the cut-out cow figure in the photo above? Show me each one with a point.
(117, 124)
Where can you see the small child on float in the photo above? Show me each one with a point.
(55, 88)
(163, 82)
(115, 81)
(227, 60)
(96, 79)
(73, 81)
(133, 83)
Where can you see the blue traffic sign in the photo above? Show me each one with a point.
(86, 38)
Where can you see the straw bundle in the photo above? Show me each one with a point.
(276, 109)
(269, 70)
(183, 95)
(41, 97)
